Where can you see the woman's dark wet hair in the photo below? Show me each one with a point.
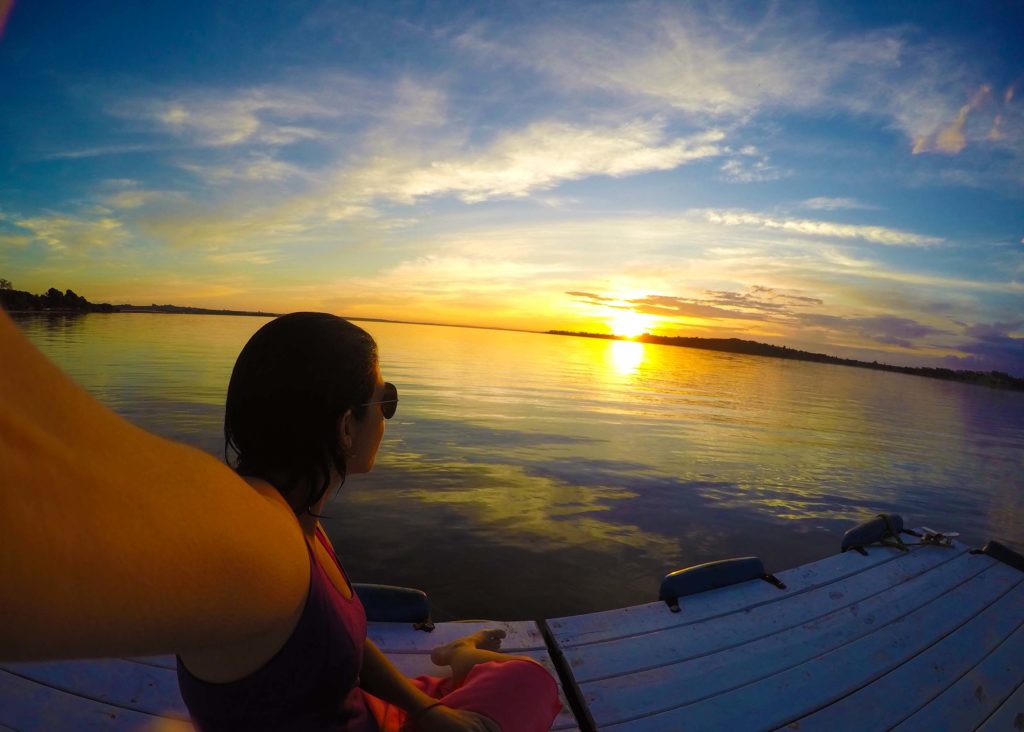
(292, 382)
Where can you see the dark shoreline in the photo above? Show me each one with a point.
(68, 303)
(185, 310)
(991, 379)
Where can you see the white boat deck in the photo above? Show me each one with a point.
(927, 639)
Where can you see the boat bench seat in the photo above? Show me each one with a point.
(926, 638)
(142, 693)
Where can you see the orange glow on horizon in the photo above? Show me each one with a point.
(630, 324)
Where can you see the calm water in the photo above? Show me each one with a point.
(535, 476)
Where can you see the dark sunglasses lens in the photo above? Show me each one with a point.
(390, 401)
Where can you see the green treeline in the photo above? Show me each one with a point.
(52, 300)
(996, 379)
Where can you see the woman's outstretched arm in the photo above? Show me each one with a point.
(116, 542)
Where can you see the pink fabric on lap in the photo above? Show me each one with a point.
(519, 695)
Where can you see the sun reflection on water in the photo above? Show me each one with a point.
(626, 356)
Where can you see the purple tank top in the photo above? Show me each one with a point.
(311, 683)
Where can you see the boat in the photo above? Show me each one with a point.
(901, 630)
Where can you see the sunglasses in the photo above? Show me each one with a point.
(389, 402)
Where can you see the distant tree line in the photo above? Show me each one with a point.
(187, 310)
(52, 300)
(998, 379)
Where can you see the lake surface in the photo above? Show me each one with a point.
(529, 475)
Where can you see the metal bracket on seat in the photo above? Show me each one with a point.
(1002, 553)
(937, 538)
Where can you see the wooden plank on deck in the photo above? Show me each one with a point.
(32, 707)
(972, 699)
(920, 684)
(113, 681)
(158, 661)
(1009, 716)
(633, 653)
(803, 689)
(594, 627)
(705, 671)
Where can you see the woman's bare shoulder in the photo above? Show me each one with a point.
(236, 660)
(123, 542)
(270, 493)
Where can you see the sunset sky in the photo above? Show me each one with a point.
(838, 177)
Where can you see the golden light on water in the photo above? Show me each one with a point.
(631, 324)
(626, 356)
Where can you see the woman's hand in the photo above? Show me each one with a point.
(447, 719)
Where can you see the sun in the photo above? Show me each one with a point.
(630, 324)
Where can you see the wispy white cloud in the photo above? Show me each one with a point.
(537, 158)
(255, 167)
(924, 280)
(952, 138)
(827, 229)
(104, 150)
(702, 63)
(268, 116)
(712, 67)
(738, 170)
(413, 104)
(667, 53)
(224, 226)
(924, 98)
(276, 115)
(66, 233)
(131, 199)
(257, 257)
(653, 252)
(824, 203)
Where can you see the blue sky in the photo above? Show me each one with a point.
(839, 177)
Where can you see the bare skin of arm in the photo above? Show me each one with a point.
(118, 542)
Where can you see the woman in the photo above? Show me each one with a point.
(121, 543)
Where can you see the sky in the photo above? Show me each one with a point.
(839, 177)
